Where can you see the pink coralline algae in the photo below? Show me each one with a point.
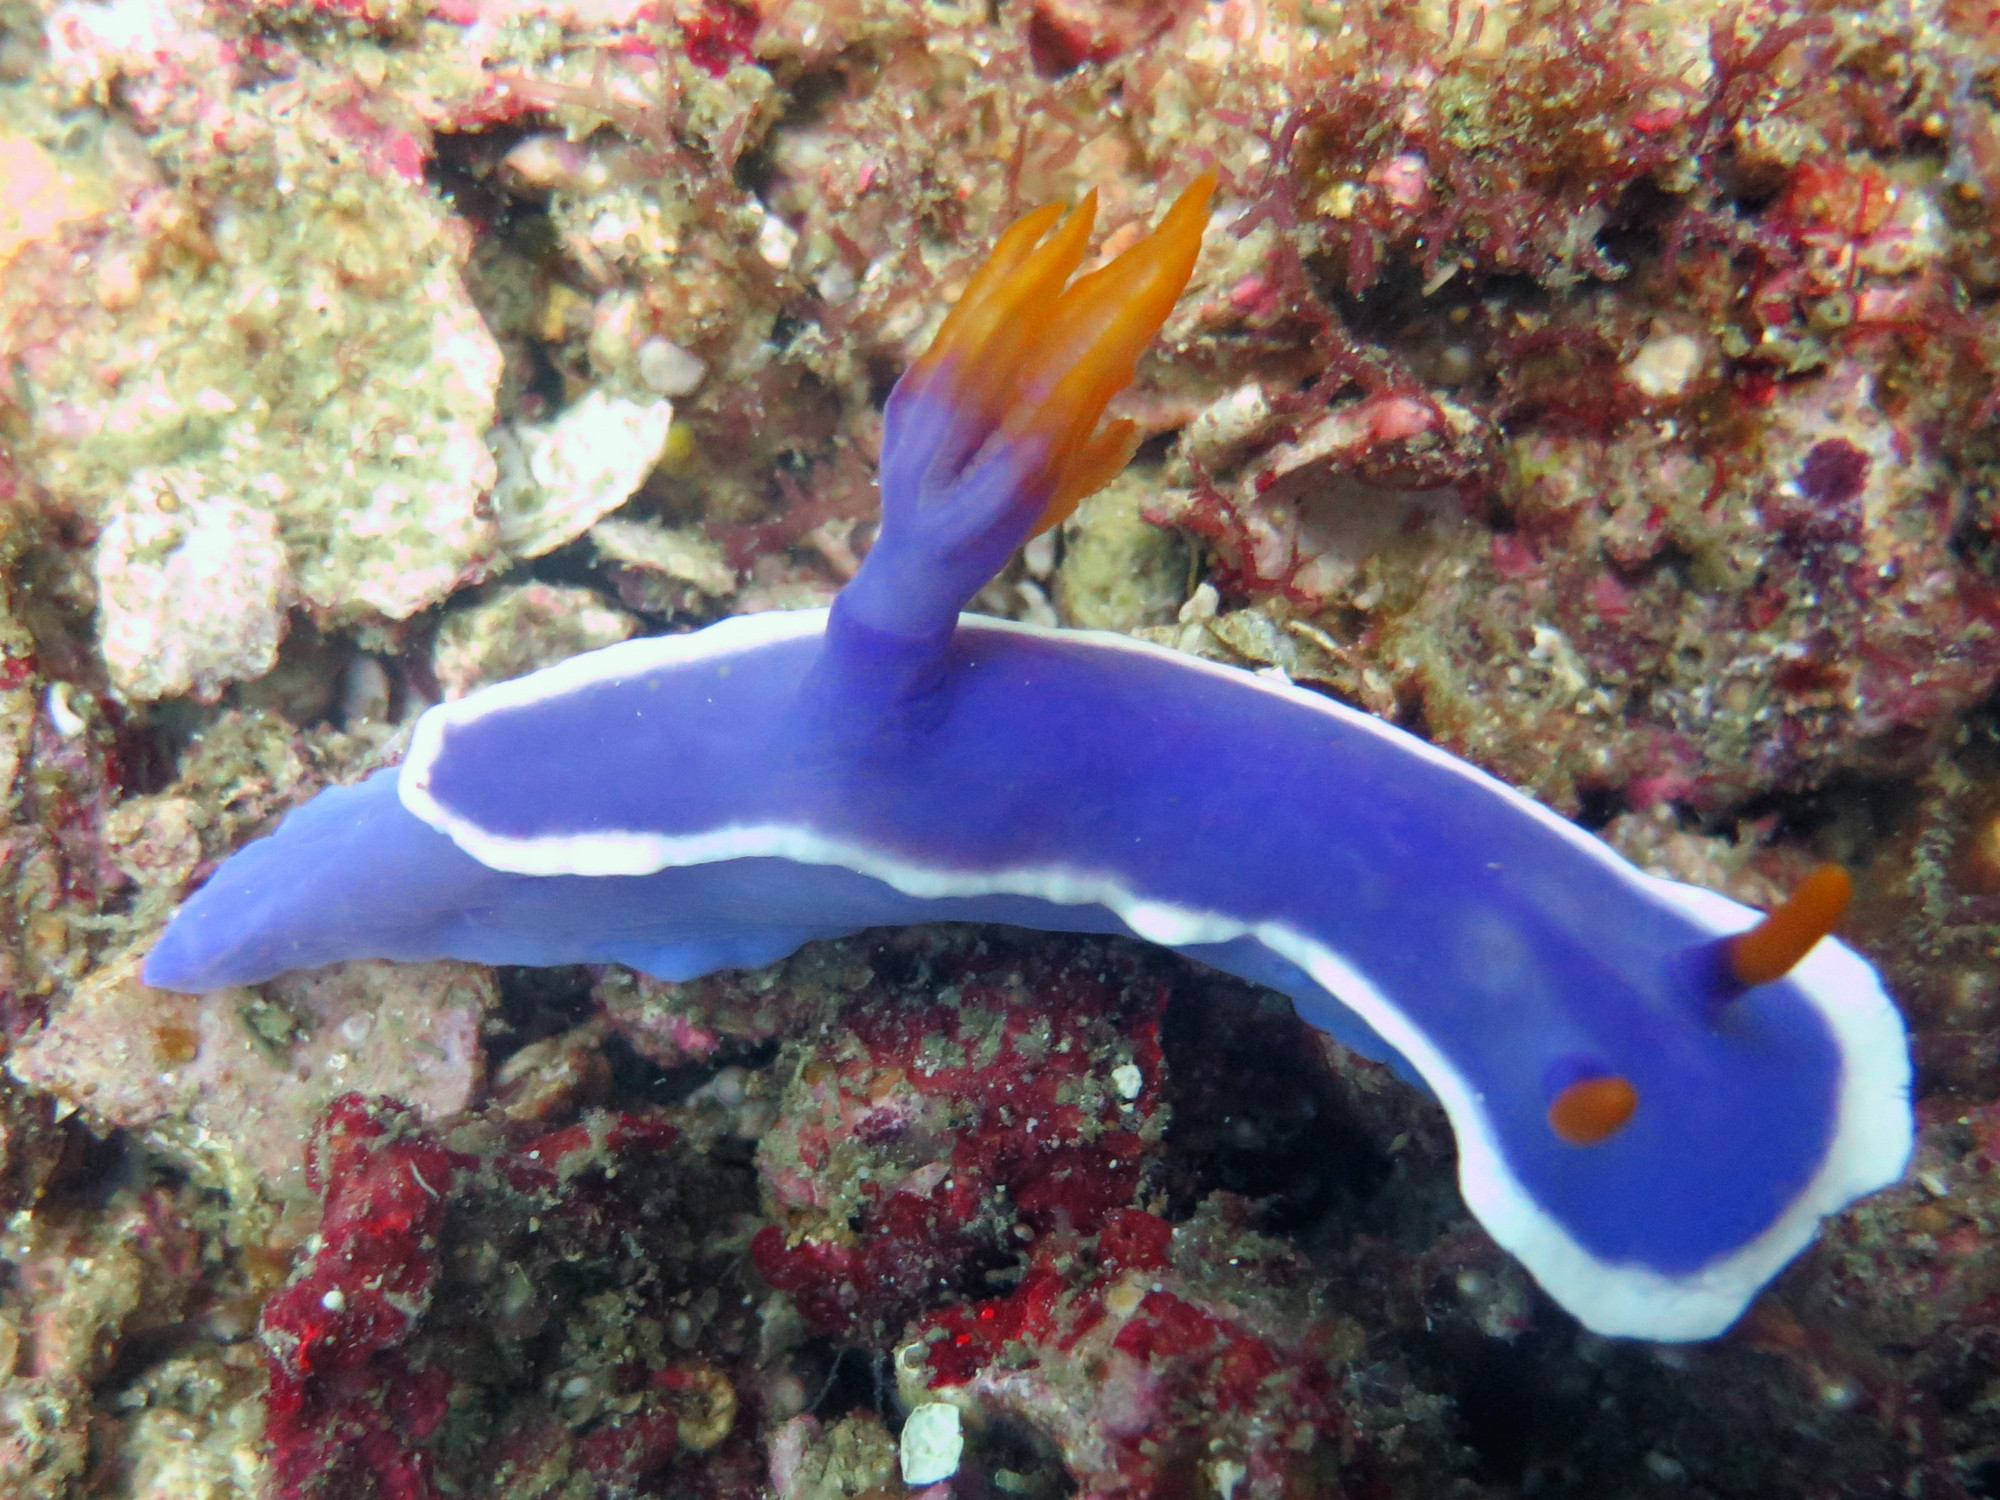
(970, 1164)
(931, 1140)
(717, 35)
(1140, 1369)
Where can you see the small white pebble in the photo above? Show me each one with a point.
(1201, 605)
(1665, 1467)
(1128, 1081)
(365, 692)
(932, 1443)
(728, 1088)
(1038, 555)
(1035, 606)
(668, 369)
(543, 161)
(575, 1386)
(776, 241)
(1665, 365)
(67, 721)
(836, 283)
(785, 1396)
(1124, 1298)
(335, 1300)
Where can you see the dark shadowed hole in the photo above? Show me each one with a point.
(545, 380)
(1598, 805)
(636, 1077)
(94, 1167)
(536, 1004)
(897, 967)
(1752, 198)
(573, 565)
(1638, 224)
(1255, 1110)
(786, 327)
(1495, 1386)
(806, 100)
(1010, 1460)
(1383, 313)
(1853, 808)
(148, 746)
(465, 168)
(850, 1379)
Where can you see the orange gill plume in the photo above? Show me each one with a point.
(1029, 359)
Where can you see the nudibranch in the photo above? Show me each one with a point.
(1657, 1095)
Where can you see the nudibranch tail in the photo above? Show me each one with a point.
(1772, 949)
(994, 433)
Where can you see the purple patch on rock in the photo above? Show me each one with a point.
(1833, 472)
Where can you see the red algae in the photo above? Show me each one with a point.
(973, 1165)
(936, 1137)
(717, 35)
(1168, 1382)
(377, 1382)
(345, 1409)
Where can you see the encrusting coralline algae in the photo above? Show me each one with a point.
(1604, 391)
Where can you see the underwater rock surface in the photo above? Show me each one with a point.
(1605, 392)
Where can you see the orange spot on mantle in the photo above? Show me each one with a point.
(1592, 1110)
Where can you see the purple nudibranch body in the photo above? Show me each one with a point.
(695, 802)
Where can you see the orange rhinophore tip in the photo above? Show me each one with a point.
(1030, 360)
(1592, 1110)
(1769, 950)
